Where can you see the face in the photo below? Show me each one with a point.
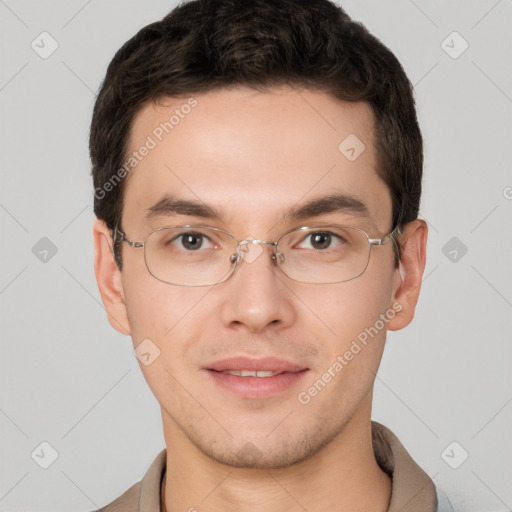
(253, 158)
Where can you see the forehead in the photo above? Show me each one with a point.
(253, 155)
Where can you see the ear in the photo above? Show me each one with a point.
(408, 278)
(108, 277)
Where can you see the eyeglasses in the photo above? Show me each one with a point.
(204, 256)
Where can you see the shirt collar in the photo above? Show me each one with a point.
(412, 489)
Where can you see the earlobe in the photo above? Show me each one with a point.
(410, 273)
(108, 278)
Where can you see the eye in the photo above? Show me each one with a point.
(191, 241)
(321, 240)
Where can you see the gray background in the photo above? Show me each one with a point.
(69, 379)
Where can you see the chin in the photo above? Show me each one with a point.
(265, 454)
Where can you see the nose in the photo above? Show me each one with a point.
(256, 296)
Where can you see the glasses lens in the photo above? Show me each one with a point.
(328, 254)
(189, 256)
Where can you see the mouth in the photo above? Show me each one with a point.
(255, 378)
(251, 373)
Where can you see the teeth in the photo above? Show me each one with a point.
(252, 373)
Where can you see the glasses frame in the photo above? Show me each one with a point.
(118, 236)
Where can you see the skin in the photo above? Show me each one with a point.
(254, 155)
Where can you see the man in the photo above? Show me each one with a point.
(257, 169)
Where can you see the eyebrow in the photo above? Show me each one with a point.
(332, 203)
(169, 205)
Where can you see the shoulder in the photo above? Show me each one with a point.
(144, 495)
(127, 502)
(443, 502)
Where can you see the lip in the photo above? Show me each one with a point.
(270, 364)
(288, 375)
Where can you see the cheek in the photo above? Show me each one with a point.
(157, 310)
(359, 332)
(162, 318)
(348, 308)
(356, 331)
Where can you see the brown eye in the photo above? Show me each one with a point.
(192, 241)
(320, 240)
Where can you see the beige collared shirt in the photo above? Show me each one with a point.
(412, 489)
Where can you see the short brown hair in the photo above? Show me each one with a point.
(203, 45)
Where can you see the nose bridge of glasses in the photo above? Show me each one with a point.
(243, 246)
(243, 252)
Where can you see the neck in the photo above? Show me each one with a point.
(343, 476)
